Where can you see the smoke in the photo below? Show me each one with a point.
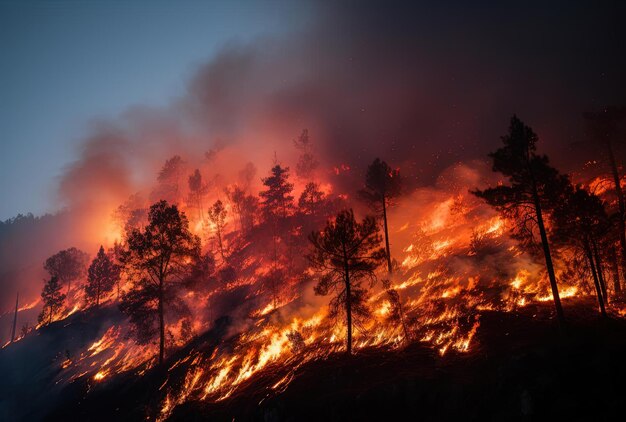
(421, 87)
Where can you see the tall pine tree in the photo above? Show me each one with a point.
(155, 258)
(344, 254)
(276, 199)
(534, 188)
(382, 184)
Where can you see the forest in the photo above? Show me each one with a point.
(218, 292)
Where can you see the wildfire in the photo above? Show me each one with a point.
(30, 305)
(99, 376)
(441, 288)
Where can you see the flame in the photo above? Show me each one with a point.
(442, 295)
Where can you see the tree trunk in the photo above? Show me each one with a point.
(389, 269)
(98, 295)
(615, 271)
(161, 323)
(548, 258)
(348, 302)
(596, 282)
(600, 272)
(275, 269)
(220, 244)
(15, 318)
(621, 205)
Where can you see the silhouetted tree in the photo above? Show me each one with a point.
(604, 128)
(311, 199)
(217, 215)
(382, 184)
(276, 199)
(102, 276)
(154, 258)
(613, 261)
(67, 265)
(344, 254)
(197, 191)
(580, 220)
(306, 162)
(534, 187)
(52, 300)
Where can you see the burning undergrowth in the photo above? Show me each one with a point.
(456, 262)
(245, 311)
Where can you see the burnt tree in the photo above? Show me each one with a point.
(382, 184)
(154, 258)
(276, 199)
(580, 220)
(52, 299)
(534, 188)
(67, 265)
(102, 276)
(312, 199)
(604, 130)
(197, 191)
(344, 254)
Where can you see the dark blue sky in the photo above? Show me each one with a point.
(62, 63)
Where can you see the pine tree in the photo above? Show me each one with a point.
(102, 276)
(276, 199)
(534, 188)
(580, 220)
(52, 300)
(345, 253)
(382, 184)
(604, 128)
(154, 258)
(197, 191)
(311, 199)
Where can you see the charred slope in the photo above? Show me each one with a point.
(29, 368)
(127, 396)
(520, 368)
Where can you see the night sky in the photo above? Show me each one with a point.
(425, 86)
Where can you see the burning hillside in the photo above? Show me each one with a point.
(326, 224)
(217, 287)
